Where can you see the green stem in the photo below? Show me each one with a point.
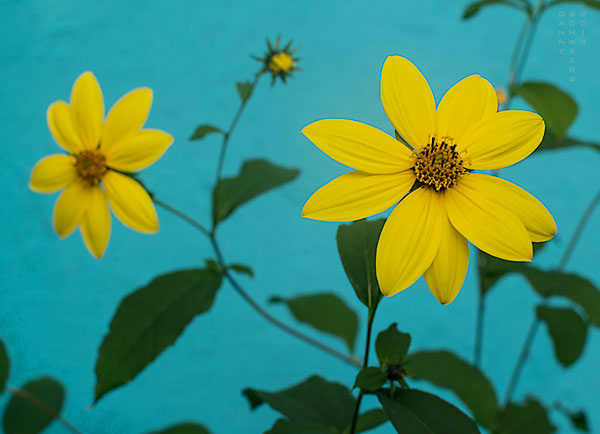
(181, 215)
(527, 344)
(35, 401)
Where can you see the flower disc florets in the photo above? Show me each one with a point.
(280, 62)
(438, 164)
(90, 166)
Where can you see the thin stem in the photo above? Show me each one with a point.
(370, 319)
(525, 350)
(182, 216)
(34, 400)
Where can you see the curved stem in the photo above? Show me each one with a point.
(181, 215)
(525, 350)
(34, 400)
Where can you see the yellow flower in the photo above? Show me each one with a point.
(279, 61)
(427, 232)
(100, 151)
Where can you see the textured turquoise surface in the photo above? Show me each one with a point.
(56, 301)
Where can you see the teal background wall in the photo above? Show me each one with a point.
(56, 301)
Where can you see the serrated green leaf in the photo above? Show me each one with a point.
(568, 331)
(4, 366)
(475, 7)
(556, 106)
(242, 269)
(530, 417)
(370, 379)
(314, 402)
(23, 417)
(357, 243)
(391, 346)
(203, 130)
(255, 178)
(551, 142)
(448, 371)
(325, 312)
(416, 412)
(148, 321)
(370, 419)
(244, 89)
(184, 428)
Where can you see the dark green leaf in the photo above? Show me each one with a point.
(357, 243)
(203, 130)
(370, 379)
(417, 412)
(4, 366)
(568, 332)
(578, 418)
(325, 312)
(184, 428)
(551, 283)
(285, 426)
(391, 346)
(446, 370)
(255, 178)
(370, 419)
(244, 89)
(242, 269)
(530, 418)
(475, 7)
(594, 4)
(314, 402)
(556, 106)
(551, 142)
(148, 321)
(32, 408)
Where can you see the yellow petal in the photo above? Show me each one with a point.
(359, 146)
(357, 195)
(130, 202)
(408, 101)
(95, 225)
(490, 227)
(71, 206)
(536, 218)
(63, 128)
(447, 272)
(409, 240)
(138, 150)
(52, 173)
(127, 116)
(87, 105)
(466, 103)
(502, 139)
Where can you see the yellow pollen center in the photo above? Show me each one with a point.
(90, 166)
(438, 164)
(281, 62)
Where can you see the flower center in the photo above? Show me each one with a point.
(438, 164)
(281, 62)
(90, 166)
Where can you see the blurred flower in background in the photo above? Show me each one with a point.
(280, 62)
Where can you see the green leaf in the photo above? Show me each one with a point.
(578, 418)
(551, 142)
(4, 366)
(325, 312)
(446, 370)
(242, 269)
(475, 7)
(22, 416)
(530, 417)
(184, 428)
(148, 321)
(370, 379)
(391, 346)
(203, 130)
(285, 426)
(314, 402)
(255, 178)
(594, 4)
(370, 419)
(244, 89)
(556, 106)
(357, 243)
(568, 331)
(551, 283)
(416, 412)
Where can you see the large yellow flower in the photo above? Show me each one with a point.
(427, 233)
(100, 152)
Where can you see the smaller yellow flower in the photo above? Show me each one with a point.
(280, 62)
(502, 96)
(100, 153)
